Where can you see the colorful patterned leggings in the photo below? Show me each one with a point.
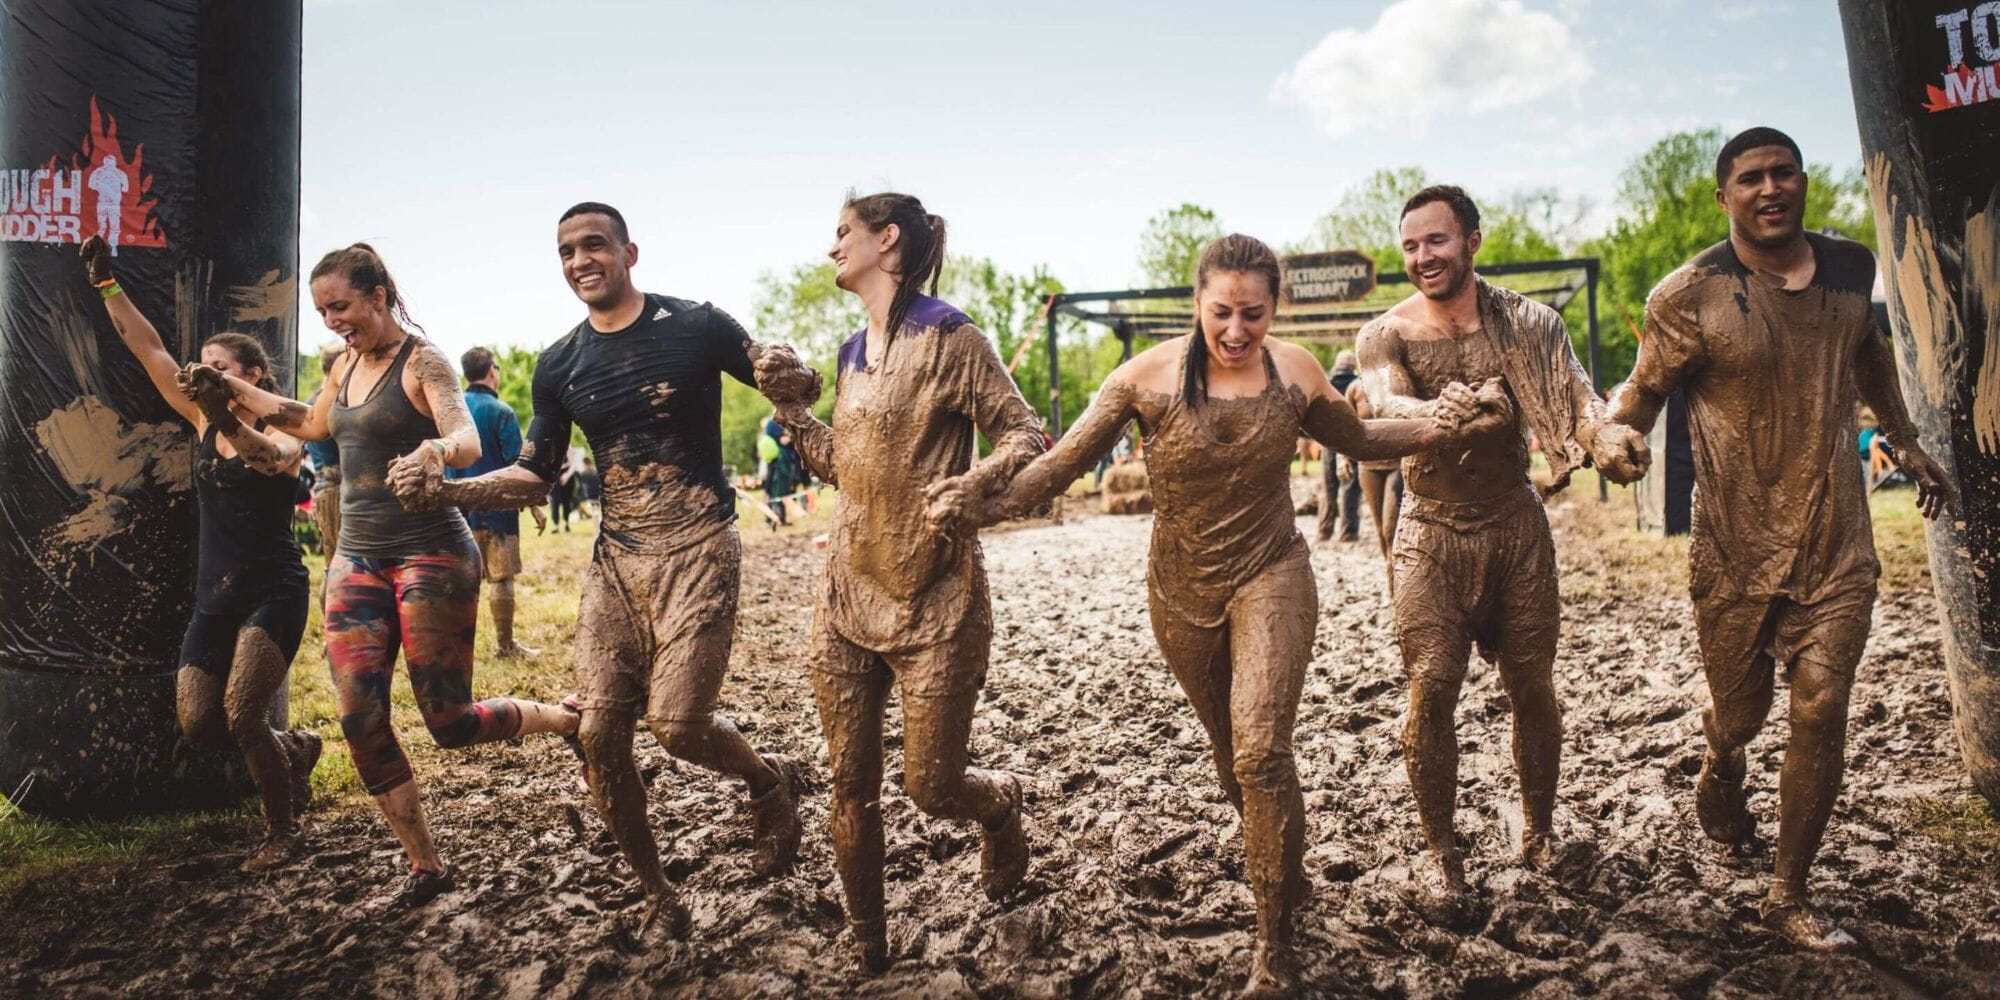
(428, 606)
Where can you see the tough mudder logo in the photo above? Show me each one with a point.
(99, 191)
(1972, 47)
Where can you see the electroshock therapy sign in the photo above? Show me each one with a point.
(1333, 276)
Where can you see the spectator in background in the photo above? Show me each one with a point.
(587, 485)
(1340, 485)
(562, 495)
(497, 532)
(325, 458)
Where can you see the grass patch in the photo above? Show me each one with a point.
(1966, 828)
(33, 848)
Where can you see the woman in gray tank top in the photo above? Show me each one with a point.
(398, 579)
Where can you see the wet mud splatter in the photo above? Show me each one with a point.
(104, 459)
(1138, 885)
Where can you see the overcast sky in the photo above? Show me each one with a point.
(451, 133)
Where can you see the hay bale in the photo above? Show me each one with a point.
(1127, 490)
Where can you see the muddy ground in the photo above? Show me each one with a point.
(1137, 883)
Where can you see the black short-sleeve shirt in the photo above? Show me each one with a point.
(648, 399)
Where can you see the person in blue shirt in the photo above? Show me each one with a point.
(498, 532)
(325, 456)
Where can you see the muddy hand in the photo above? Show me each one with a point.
(541, 519)
(204, 386)
(1493, 409)
(96, 260)
(1620, 453)
(1456, 404)
(417, 478)
(784, 379)
(1935, 493)
(945, 505)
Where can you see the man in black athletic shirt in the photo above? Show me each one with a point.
(642, 377)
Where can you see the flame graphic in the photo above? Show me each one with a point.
(138, 223)
(1970, 82)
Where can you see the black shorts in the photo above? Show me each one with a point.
(210, 643)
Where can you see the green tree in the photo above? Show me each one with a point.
(1170, 246)
(1366, 216)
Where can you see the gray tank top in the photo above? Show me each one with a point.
(385, 426)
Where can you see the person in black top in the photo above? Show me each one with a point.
(250, 589)
(642, 376)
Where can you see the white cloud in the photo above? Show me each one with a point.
(1422, 57)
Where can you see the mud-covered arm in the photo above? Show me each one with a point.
(1331, 420)
(1669, 352)
(307, 423)
(1875, 381)
(793, 386)
(457, 442)
(1390, 387)
(1090, 439)
(988, 395)
(1617, 450)
(543, 457)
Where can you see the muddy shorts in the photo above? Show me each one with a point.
(654, 629)
(954, 667)
(500, 552)
(1744, 639)
(1481, 572)
(210, 641)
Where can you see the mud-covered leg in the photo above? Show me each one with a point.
(1740, 675)
(1528, 635)
(940, 687)
(198, 707)
(254, 679)
(1815, 764)
(1271, 629)
(1199, 660)
(851, 689)
(1434, 575)
(619, 793)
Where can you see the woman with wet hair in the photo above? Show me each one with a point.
(896, 605)
(250, 585)
(1230, 587)
(398, 579)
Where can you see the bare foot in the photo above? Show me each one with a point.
(667, 915)
(515, 651)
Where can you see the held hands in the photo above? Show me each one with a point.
(955, 504)
(1463, 411)
(205, 387)
(1620, 453)
(784, 379)
(1935, 493)
(96, 260)
(417, 478)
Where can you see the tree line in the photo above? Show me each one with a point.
(1663, 213)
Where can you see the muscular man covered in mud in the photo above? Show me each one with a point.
(1473, 560)
(897, 604)
(642, 377)
(1770, 334)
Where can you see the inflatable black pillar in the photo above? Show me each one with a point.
(172, 128)
(1665, 495)
(1928, 103)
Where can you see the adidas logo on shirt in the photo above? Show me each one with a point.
(662, 314)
